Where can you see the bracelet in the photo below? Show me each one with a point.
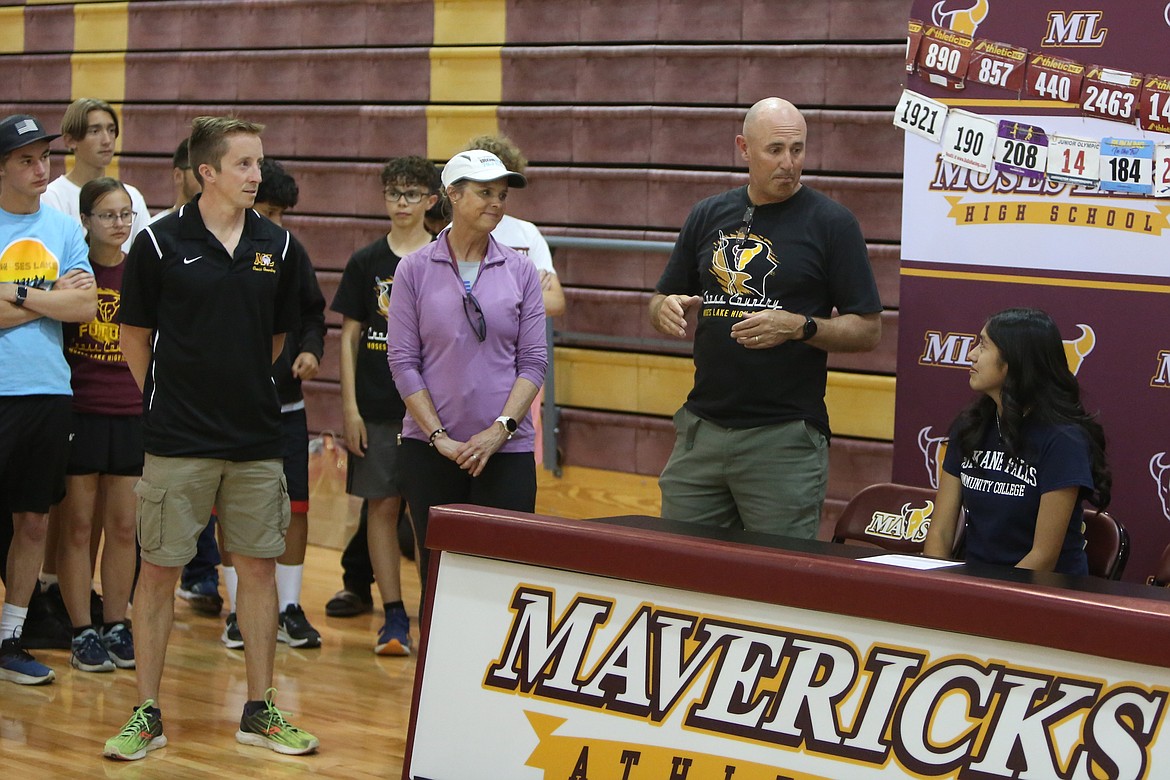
(436, 432)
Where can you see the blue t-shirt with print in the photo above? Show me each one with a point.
(1002, 494)
(36, 250)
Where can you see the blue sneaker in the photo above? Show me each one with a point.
(17, 666)
(89, 654)
(203, 596)
(119, 643)
(394, 638)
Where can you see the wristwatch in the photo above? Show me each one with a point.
(21, 295)
(810, 328)
(508, 423)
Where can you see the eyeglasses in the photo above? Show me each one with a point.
(412, 196)
(108, 218)
(474, 315)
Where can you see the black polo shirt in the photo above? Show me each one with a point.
(209, 390)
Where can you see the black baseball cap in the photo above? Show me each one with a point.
(21, 130)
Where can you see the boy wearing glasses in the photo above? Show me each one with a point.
(371, 405)
(90, 132)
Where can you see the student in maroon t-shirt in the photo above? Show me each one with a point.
(106, 457)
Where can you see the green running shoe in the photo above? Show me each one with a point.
(268, 728)
(141, 734)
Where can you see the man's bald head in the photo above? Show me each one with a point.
(772, 144)
(773, 110)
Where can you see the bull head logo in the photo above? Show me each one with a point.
(917, 521)
(934, 449)
(1161, 473)
(108, 307)
(961, 20)
(1076, 350)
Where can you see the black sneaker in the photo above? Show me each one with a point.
(346, 603)
(294, 629)
(47, 626)
(97, 609)
(232, 638)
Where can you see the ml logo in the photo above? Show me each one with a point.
(1075, 28)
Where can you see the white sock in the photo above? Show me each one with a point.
(49, 579)
(230, 581)
(11, 618)
(288, 584)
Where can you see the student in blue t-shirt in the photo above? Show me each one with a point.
(1023, 456)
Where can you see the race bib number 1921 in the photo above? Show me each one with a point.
(919, 114)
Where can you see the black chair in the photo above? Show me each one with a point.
(1106, 544)
(1161, 577)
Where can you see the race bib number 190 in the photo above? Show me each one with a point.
(969, 141)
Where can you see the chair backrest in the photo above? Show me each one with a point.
(1106, 544)
(891, 516)
(1161, 577)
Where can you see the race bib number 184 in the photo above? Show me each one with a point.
(1127, 165)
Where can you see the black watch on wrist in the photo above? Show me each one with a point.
(21, 295)
(810, 328)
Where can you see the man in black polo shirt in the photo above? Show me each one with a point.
(209, 292)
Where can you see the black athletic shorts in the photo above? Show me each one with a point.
(106, 444)
(34, 448)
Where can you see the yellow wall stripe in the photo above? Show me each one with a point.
(12, 30)
(449, 128)
(105, 28)
(466, 68)
(469, 74)
(859, 405)
(1088, 284)
(470, 21)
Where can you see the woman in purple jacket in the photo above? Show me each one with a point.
(466, 345)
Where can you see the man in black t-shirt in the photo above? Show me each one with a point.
(766, 265)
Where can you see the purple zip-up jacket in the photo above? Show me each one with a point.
(432, 346)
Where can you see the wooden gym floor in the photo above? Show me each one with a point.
(357, 703)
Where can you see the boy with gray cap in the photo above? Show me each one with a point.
(45, 279)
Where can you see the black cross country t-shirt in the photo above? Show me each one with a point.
(806, 255)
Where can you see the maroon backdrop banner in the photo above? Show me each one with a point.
(1096, 258)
